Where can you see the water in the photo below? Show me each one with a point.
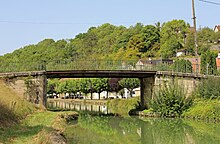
(103, 129)
(78, 106)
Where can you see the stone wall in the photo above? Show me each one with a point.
(32, 88)
(188, 83)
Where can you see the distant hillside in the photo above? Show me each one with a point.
(117, 43)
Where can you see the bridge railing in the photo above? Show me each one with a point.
(93, 65)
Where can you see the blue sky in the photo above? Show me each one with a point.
(26, 22)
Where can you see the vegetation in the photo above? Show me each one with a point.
(41, 127)
(183, 66)
(208, 63)
(13, 108)
(115, 43)
(130, 84)
(208, 89)
(206, 106)
(170, 101)
(92, 85)
(204, 109)
(123, 107)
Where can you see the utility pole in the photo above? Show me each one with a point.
(195, 34)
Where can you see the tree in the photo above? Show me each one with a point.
(114, 84)
(52, 85)
(183, 66)
(208, 63)
(100, 85)
(130, 84)
(144, 40)
(172, 37)
(85, 86)
(190, 43)
(205, 35)
(62, 87)
(169, 48)
(73, 86)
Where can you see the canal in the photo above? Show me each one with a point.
(102, 128)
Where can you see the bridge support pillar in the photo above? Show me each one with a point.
(42, 91)
(147, 85)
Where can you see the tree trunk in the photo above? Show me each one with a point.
(91, 96)
(99, 96)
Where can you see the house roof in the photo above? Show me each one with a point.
(193, 60)
(217, 27)
(155, 61)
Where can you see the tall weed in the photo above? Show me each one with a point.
(209, 89)
(170, 100)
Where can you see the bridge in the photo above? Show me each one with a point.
(32, 78)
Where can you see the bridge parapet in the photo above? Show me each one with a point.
(180, 74)
(22, 74)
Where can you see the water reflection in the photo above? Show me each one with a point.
(77, 107)
(132, 130)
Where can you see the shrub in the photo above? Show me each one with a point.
(170, 100)
(204, 109)
(183, 66)
(209, 89)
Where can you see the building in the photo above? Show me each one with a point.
(151, 64)
(181, 52)
(218, 61)
(217, 28)
(195, 64)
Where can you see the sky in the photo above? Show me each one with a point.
(26, 22)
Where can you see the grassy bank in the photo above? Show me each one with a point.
(12, 107)
(41, 127)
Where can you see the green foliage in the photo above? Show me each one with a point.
(108, 42)
(52, 84)
(205, 35)
(130, 84)
(182, 65)
(170, 100)
(12, 107)
(122, 106)
(172, 37)
(209, 88)
(100, 85)
(204, 109)
(208, 63)
(169, 48)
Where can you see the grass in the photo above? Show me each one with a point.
(35, 129)
(204, 109)
(12, 107)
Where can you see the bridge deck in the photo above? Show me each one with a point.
(100, 73)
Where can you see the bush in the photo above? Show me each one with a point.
(209, 89)
(170, 101)
(183, 66)
(203, 109)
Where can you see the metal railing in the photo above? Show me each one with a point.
(93, 65)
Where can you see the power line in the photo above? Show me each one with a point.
(42, 23)
(211, 2)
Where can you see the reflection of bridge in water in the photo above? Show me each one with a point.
(77, 106)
